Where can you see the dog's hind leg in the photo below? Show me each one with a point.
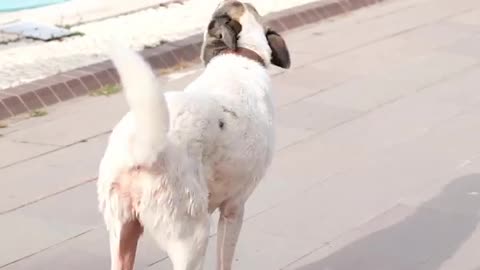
(188, 252)
(123, 244)
(229, 227)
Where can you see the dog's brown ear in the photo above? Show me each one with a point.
(280, 53)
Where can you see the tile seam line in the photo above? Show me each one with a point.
(34, 143)
(26, 204)
(46, 248)
(55, 150)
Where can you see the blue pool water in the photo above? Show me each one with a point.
(13, 5)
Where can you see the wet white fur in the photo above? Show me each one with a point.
(179, 135)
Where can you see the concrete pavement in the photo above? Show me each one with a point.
(377, 164)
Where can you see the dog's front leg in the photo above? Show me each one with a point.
(229, 226)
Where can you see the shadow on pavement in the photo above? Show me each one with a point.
(422, 241)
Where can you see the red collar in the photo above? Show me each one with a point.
(246, 53)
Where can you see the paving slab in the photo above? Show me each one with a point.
(465, 257)
(412, 243)
(54, 132)
(358, 35)
(466, 47)
(456, 204)
(286, 91)
(86, 251)
(304, 82)
(441, 34)
(373, 91)
(290, 135)
(18, 151)
(450, 193)
(27, 182)
(48, 223)
(312, 115)
(469, 18)
(421, 236)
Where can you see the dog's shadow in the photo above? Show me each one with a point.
(422, 241)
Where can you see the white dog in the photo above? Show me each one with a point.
(178, 156)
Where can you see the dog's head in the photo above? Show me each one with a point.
(236, 25)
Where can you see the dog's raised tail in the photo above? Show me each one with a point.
(147, 104)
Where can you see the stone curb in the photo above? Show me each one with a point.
(81, 81)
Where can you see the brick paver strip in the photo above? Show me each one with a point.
(80, 81)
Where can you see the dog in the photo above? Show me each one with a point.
(178, 156)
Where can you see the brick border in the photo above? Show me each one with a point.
(81, 81)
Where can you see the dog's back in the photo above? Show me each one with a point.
(244, 148)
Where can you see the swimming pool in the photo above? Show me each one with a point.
(13, 5)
